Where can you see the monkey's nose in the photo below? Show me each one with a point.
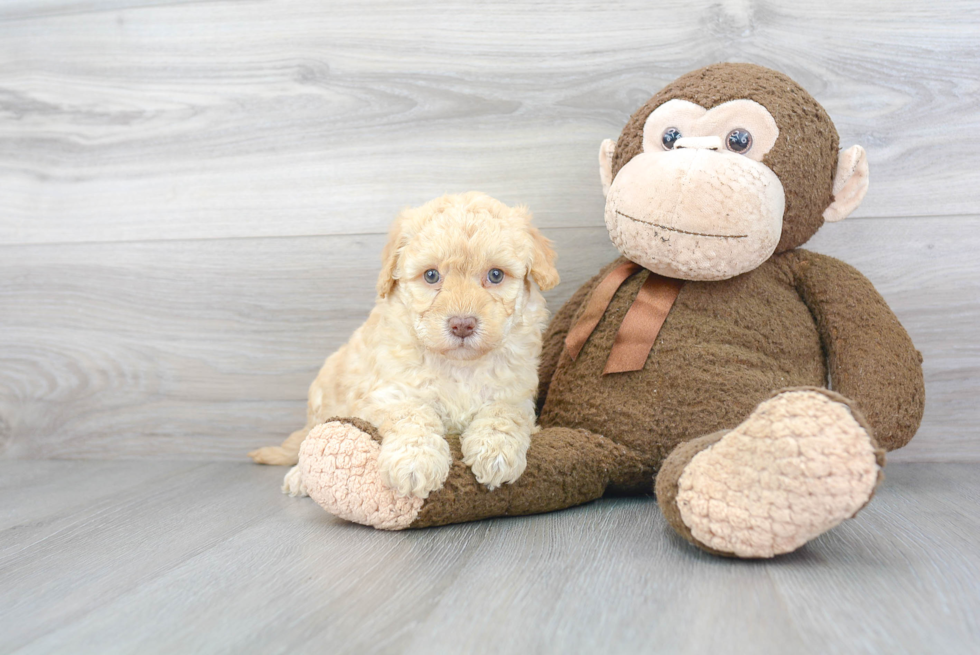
(706, 142)
(462, 326)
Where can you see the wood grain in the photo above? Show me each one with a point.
(187, 512)
(192, 202)
(214, 559)
(192, 194)
(200, 349)
(204, 349)
(137, 120)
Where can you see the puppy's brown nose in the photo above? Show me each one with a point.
(462, 326)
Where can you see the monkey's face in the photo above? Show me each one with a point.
(698, 203)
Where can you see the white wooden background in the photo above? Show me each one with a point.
(193, 194)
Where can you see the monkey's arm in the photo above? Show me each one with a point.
(554, 337)
(870, 356)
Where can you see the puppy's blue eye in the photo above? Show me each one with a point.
(431, 276)
(495, 276)
(670, 135)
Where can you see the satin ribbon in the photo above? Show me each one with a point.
(641, 325)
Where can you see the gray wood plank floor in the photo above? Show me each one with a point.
(185, 557)
(193, 197)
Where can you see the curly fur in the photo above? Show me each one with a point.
(406, 373)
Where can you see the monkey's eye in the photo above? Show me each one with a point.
(671, 134)
(431, 276)
(739, 141)
(495, 276)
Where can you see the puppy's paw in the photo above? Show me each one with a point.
(496, 457)
(415, 467)
(292, 484)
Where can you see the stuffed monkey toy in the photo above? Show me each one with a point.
(752, 385)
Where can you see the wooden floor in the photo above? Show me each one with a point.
(182, 557)
(194, 196)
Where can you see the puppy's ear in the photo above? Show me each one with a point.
(389, 257)
(543, 257)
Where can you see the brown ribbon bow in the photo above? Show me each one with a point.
(640, 326)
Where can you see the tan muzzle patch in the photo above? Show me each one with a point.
(695, 213)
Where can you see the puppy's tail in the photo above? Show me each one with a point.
(276, 455)
(285, 455)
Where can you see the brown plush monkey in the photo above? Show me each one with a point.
(700, 360)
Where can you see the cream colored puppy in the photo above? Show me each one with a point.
(451, 347)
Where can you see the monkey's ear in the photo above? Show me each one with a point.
(389, 257)
(850, 184)
(606, 152)
(543, 270)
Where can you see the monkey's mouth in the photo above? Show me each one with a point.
(674, 229)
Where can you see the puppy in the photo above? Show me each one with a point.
(451, 347)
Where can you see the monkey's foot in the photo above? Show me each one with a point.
(799, 465)
(339, 464)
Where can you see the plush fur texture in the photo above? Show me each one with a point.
(799, 465)
(732, 224)
(804, 157)
(727, 346)
(338, 464)
(407, 373)
(730, 418)
(733, 219)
